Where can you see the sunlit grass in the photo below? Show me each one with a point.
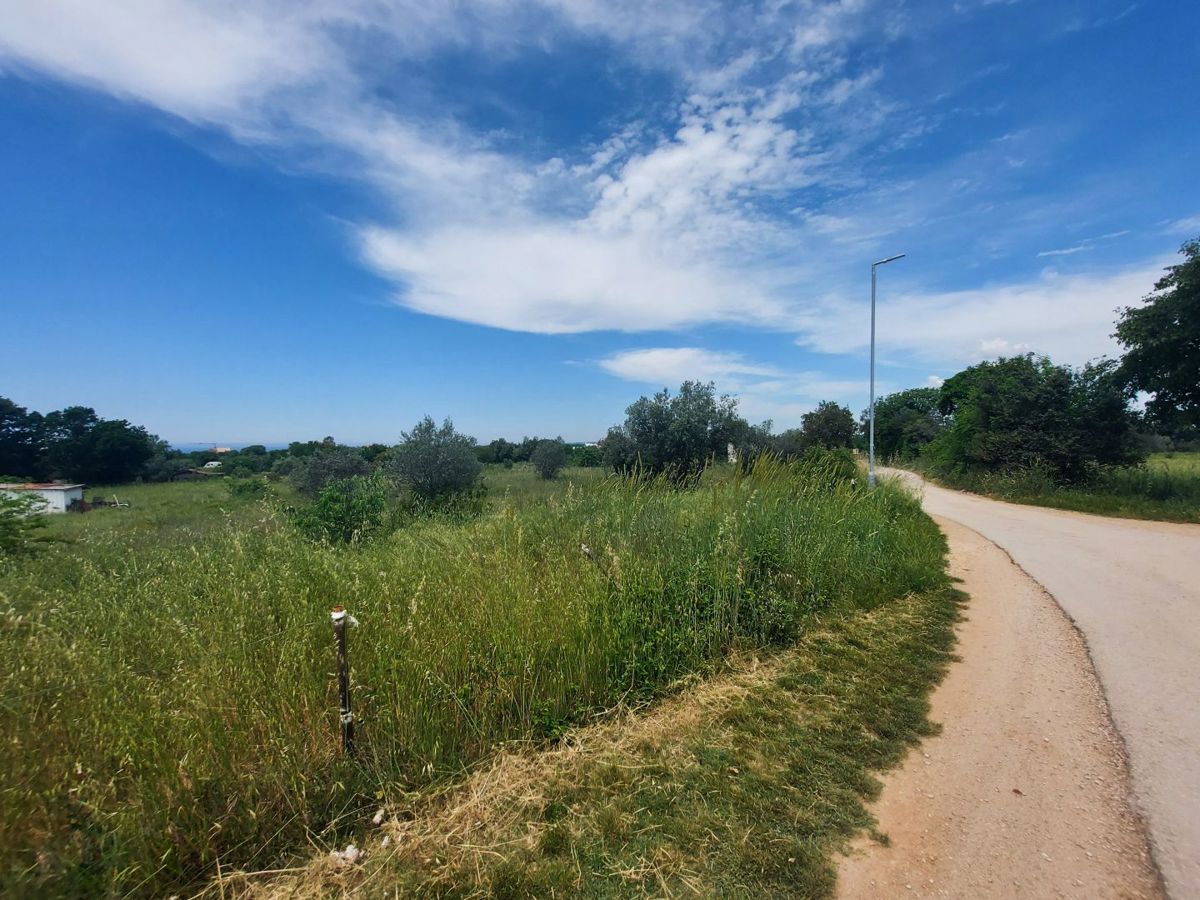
(170, 699)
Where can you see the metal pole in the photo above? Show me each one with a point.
(338, 616)
(871, 439)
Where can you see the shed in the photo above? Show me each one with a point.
(56, 497)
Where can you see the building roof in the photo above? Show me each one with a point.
(39, 486)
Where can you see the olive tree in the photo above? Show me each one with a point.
(549, 457)
(436, 461)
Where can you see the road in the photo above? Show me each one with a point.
(1132, 588)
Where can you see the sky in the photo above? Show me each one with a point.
(266, 220)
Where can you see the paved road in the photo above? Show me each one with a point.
(1133, 590)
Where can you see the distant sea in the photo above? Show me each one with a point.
(233, 445)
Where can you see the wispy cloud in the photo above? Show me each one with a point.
(1069, 317)
(1085, 244)
(1188, 226)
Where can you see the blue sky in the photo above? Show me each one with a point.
(267, 221)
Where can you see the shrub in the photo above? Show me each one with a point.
(548, 458)
(676, 434)
(19, 521)
(435, 461)
(255, 487)
(311, 474)
(351, 511)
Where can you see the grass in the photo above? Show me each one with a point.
(744, 785)
(171, 707)
(1166, 487)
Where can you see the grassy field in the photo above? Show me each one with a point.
(171, 707)
(1166, 487)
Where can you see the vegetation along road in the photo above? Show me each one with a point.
(1133, 590)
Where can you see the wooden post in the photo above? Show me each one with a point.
(343, 665)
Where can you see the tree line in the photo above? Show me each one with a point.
(1025, 412)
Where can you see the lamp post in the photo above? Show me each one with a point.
(871, 440)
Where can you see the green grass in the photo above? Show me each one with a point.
(1178, 462)
(747, 785)
(171, 705)
(1166, 487)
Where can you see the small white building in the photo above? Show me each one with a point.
(56, 498)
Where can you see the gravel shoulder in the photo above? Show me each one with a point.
(1025, 793)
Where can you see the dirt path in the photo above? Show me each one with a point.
(1133, 590)
(1025, 793)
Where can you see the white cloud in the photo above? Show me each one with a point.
(1068, 317)
(670, 366)
(648, 230)
(763, 392)
(1188, 226)
(555, 280)
(1066, 251)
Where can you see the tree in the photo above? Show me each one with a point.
(1025, 411)
(311, 474)
(436, 461)
(791, 444)
(117, 452)
(905, 422)
(66, 439)
(676, 434)
(829, 426)
(1162, 347)
(21, 435)
(549, 457)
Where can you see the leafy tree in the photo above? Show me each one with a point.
(790, 444)
(498, 451)
(66, 437)
(549, 457)
(21, 435)
(436, 461)
(829, 426)
(311, 474)
(677, 434)
(1023, 411)
(1162, 347)
(117, 452)
(584, 456)
(905, 422)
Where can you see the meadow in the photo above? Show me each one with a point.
(171, 708)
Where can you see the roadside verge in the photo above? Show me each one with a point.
(746, 784)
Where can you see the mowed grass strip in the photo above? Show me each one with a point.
(744, 785)
(170, 705)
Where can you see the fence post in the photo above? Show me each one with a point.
(338, 616)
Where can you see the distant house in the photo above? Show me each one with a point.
(222, 449)
(56, 498)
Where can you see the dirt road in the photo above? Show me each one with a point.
(1133, 590)
(1025, 792)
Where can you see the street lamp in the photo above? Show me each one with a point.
(871, 450)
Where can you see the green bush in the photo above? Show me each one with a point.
(435, 461)
(255, 487)
(19, 522)
(351, 511)
(548, 458)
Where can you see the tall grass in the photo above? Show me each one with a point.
(172, 707)
(1156, 490)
